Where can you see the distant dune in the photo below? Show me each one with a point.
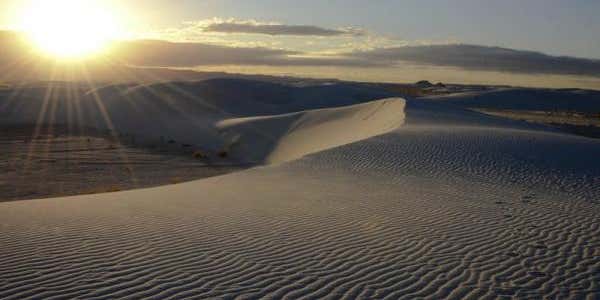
(368, 198)
(574, 100)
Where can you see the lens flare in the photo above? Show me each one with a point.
(69, 29)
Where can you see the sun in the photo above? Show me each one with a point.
(69, 29)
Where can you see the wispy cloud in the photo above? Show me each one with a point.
(254, 27)
(219, 30)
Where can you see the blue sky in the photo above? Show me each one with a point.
(560, 27)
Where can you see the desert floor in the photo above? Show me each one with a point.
(54, 163)
(355, 194)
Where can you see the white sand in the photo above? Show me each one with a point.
(452, 204)
(281, 138)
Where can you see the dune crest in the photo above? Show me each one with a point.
(281, 138)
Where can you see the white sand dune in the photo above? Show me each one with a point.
(281, 138)
(182, 111)
(452, 204)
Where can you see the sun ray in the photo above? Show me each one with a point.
(42, 115)
(108, 122)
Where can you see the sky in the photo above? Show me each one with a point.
(314, 28)
(561, 27)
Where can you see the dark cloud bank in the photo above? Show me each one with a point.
(482, 58)
(166, 54)
(468, 57)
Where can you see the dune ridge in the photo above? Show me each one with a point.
(281, 138)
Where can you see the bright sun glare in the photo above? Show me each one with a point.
(69, 29)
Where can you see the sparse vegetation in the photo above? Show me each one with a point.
(128, 169)
(175, 180)
(199, 155)
(424, 84)
(98, 190)
(113, 189)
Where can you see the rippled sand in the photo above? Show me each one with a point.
(452, 204)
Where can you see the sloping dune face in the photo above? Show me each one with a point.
(281, 138)
(450, 205)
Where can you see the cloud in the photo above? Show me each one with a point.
(155, 53)
(250, 33)
(252, 27)
(466, 57)
(169, 54)
(483, 58)
(160, 53)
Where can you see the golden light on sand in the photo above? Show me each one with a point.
(69, 29)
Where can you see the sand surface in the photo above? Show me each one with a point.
(441, 203)
(281, 138)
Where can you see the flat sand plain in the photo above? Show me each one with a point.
(55, 163)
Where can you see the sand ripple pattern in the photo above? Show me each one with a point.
(421, 213)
